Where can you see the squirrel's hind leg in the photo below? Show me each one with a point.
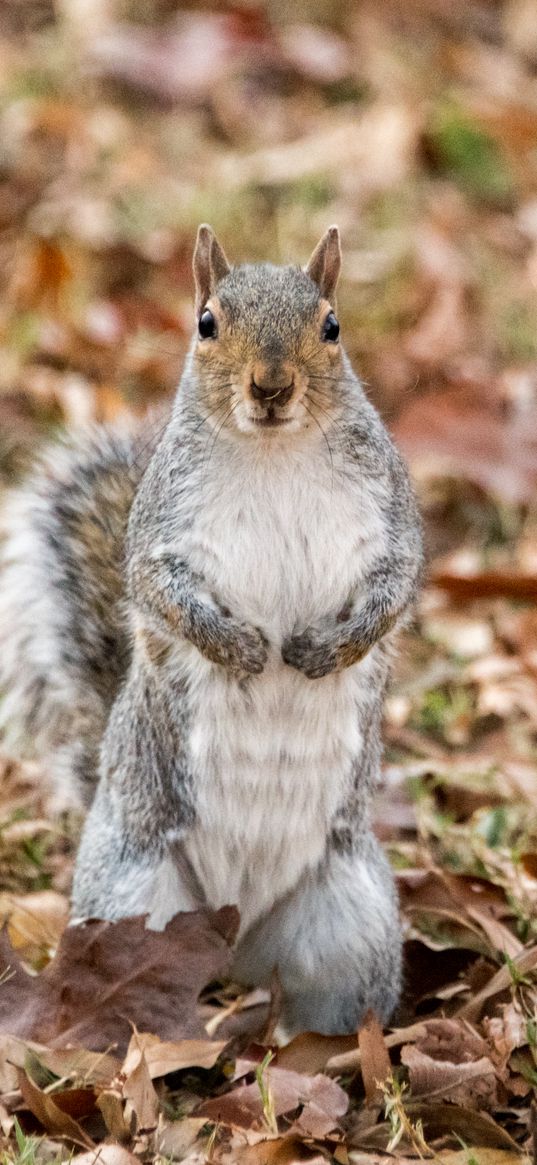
(114, 880)
(336, 942)
(130, 859)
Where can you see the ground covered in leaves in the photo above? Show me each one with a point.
(414, 125)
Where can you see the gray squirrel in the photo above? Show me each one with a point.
(196, 630)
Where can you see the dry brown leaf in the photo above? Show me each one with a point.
(490, 583)
(12, 1057)
(446, 1120)
(106, 1154)
(309, 1052)
(51, 1116)
(472, 903)
(505, 1032)
(374, 1058)
(442, 330)
(472, 1083)
(463, 432)
(451, 1039)
(36, 921)
(163, 1056)
(349, 1061)
(380, 145)
(323, 1101)
(175, 1138)
(286, 1150)
(529, 862)
(184, 61)
(111, 1105)
(137, 1088)
(483, 1156)
(524, 964)
(107, 975)
(79, 1066)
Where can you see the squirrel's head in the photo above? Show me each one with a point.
(267, 352)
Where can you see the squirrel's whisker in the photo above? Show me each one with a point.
(333, 420)
(328, 446)
(153, 441)
(216, 436)
(332, 379)
(213, 413)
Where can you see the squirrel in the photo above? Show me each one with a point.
(196, 631)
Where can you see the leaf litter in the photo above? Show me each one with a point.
(415, 126)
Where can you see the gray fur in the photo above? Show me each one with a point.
(234, 668)
(64, 640)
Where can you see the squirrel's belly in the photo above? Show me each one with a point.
(272, 763)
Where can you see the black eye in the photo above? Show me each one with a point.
(207, 325)
(330, 328)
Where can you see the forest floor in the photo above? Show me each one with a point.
(414, 126)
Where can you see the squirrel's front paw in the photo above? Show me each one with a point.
(245, 648)
(318, 651)
(311, 652)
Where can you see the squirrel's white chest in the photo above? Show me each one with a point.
(282, 542)
(273, 758)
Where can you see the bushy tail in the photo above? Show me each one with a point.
(64, 643)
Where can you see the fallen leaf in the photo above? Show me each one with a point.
(451, 1120)
(36, 921)
(79, 1066)
(111, 1104)
(309, 1052)
(472, 1083)
(374, 1058)
(49, 1113)
(323, 1101)
(163, 1056)
(175, 1138)
(490, 583)
(442, 330)
(529, 862)
(472, 903)
(506, 1031)
(286, 1150)
(317, 53)
(108, 975)
(482, 1156)
(185, 60)
(137, 1087)
(379, 144)
(463, 432)
(524, 963)
(106, 1154)
(350, 1061)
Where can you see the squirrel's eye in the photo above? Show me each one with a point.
(330, 328)
(207, 325)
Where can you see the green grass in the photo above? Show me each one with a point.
(464, 151)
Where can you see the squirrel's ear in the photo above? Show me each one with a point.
(325, 263)
(209, 265)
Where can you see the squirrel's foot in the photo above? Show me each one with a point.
(320, 651)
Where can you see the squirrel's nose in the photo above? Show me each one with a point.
(272, 382)
(270, 392)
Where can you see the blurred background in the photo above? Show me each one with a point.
(124, 123)
(412, 124)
